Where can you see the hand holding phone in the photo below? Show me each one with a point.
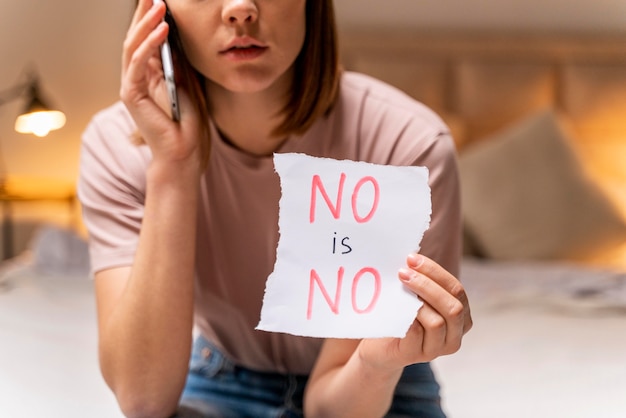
(168, 72)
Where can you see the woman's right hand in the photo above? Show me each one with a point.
(144, 92)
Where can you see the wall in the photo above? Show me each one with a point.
(545, 15)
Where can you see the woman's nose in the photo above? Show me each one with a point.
(240, 11)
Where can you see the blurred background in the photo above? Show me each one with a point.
(524, 362)
(74, 47)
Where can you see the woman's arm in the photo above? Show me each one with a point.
(343, 385)
(358, 378)
(145, 312)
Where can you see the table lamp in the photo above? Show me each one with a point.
(38, 117)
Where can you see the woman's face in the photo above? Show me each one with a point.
(245, 46)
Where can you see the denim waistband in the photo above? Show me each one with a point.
(216, 383)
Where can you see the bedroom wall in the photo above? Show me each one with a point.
(75, 47)
(548, 15)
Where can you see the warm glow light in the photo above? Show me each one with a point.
(40, 123)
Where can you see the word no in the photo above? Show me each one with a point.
(333, 303)
(335, 210)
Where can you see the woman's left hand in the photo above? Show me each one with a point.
(439, 325)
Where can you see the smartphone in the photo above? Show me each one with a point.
(168, 72)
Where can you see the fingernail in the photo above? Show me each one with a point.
(415, 260)
(405, 274)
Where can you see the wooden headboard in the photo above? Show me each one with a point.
(485, 81)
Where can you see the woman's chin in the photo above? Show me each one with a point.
(252, 81)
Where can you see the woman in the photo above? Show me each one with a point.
(183, 227)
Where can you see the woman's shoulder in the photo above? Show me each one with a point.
(111, 132)
(112, 120)
(108, 151)
(389, 125)
(374, 95)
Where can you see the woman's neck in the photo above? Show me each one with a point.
(247, 120)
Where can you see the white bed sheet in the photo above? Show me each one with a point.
(48, 349)
(548, 341)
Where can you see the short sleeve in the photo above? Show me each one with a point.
(111, 188)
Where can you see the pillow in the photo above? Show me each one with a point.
(525, 195)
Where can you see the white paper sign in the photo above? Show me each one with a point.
(346, 229)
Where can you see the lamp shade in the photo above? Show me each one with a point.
(38, 118)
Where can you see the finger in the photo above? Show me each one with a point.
(447, 281)
(142, 7)
(438, 339)
(143, 90)
(448, 307)
(142, 65)
(141, 45)
(146, 23)
(146, 55)
(433, 270)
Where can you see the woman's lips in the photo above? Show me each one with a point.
(244, 48)
(244, 53)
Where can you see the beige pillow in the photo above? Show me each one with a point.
(525, 196)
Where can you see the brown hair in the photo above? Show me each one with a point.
(317, 70)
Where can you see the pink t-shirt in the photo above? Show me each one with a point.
(238, 219)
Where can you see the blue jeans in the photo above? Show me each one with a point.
(217, 388)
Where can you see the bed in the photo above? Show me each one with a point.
(540, 130)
